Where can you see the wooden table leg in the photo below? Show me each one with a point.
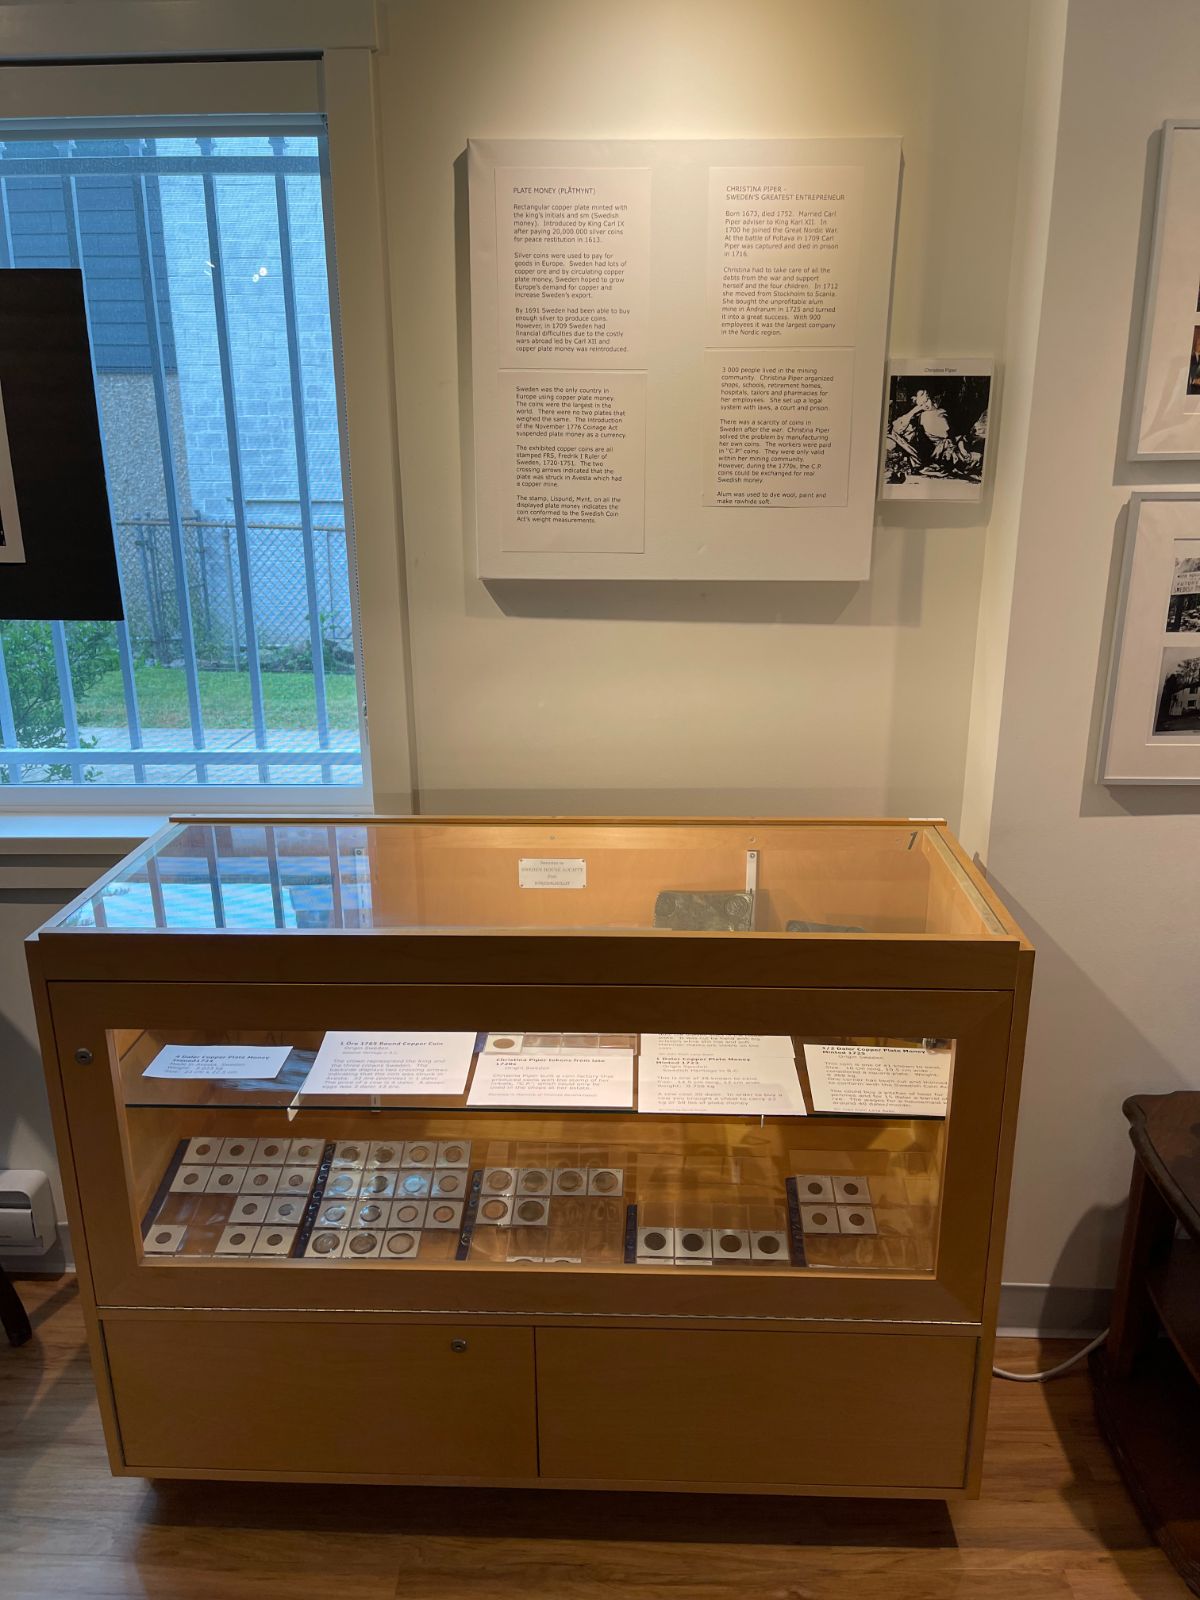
(1149, 1228)
(13, 1316)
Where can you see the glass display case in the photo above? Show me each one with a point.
(567, 1147)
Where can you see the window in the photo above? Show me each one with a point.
(206, 277)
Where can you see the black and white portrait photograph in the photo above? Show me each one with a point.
(936, 431)
(1183, 607)
(1178, 693)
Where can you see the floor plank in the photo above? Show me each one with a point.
(1054, 1522)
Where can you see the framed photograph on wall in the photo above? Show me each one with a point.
(1165, 420)
(935, 430)
(1152, 732)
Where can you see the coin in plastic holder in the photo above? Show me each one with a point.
(730, 1244)
(403, 1244)
(531, 1211)
(372, 1214)
(237, 1240)
(452, 1183)
(363, 1244)
(495, 1210)
(655, 1244)
(350, 1153)
(250, 1208)
(275, 1241)
(819, 1219)
(295, 1180)
(420, 1153)
(444, 1214)
(570, 1180)
(342, 1185)
(606, 1180)
(813, 1187)
(533, 1180)
(305, 1152)
(271, 1152)
(286, 1208)
(413, 1183)
(260, 1180)
(190, 1180)
(407, 1214)
(454, 1153)
(769, 1244)
(325, 1243)
(336, 1214)
(163, 1240)
(236, 1152)
(225, 1180)
(385, 1153)
(852, 1191)
(498, 1180)
(693, 1244)
(856, 1219)
(202, 1151)
(378, 1186)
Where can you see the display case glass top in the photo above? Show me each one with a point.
(789, 879)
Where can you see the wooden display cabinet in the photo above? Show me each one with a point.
(793, 1349)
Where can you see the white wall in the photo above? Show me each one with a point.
(1107, 882)
(804, 698)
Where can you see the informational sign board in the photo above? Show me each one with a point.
(678, 354)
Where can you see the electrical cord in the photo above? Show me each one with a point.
(1052, 1372)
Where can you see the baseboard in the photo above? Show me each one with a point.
(1048, 1311)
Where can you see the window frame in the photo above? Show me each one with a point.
(337, 89)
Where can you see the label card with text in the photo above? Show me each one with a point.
(755, 1044)
(602, 1080)
(709, 1082)
(552, 872)
(878, 1080)
(219, 1061)
(391, 1063)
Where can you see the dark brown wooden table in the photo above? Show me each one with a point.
(1146, 1378)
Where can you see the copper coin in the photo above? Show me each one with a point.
(494, 1208)
(730, 1243)
(768, 1245)
(531, 1210)
(655, 1241)
(443, 1213)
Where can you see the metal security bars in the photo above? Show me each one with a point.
(205, 272)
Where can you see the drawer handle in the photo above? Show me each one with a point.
(458, 1346)
(84, 1056)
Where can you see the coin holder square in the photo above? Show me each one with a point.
(693, 1244)
(274, 1241)
(730, 1244)
(531, 1211)
(415, 1183)
(533, 1180)
(819, 1219)
(295, 1180)
(498, 1180)
(271, 1152)
(407, 1214)
(852, 1191)
(190, 1180)
(287, 1208)
(856, 1219)
(768, 1244)
(606, 1180)
(656, 1243)
(377, 1185)
(494, 1211)
(569, 1180)
(420, 1153)
(350, 1153)
(163, 1239)
(237, 1152)
(402, 1245)
(203, 1150)
(525, 1261)
(362, 1244)
(444, 1214)
(224, 1180)
(237, 1240)
(454, 1153)
(336, 1213)
(261, 1180)
(305, 1152)
(385, 1153)
(326, 1243)
(342, 1185)
(371, 1213)
(251, 1208)
(813, 1187)
(450, 1183)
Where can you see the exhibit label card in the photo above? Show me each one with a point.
(711, 1082)
(756, 1044)
(391, 1063)
(219, 1061)
(602, 1080)
(878, 1080)
(552, 872)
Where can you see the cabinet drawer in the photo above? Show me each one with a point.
(885, 1410)
(321, 1398)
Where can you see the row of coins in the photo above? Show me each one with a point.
(389, 1214)
(328, 1244)
(381, 1184)
(504, 1181)
(164, 1239)
(358, 1154)
(831, 1204)
(238, 1151)
(242, 1180)
(707, 1245)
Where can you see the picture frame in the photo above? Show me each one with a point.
(937, 419)
(1152, 721)
(1165, 415)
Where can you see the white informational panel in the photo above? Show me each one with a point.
(678, 353)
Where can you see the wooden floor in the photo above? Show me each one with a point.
(1054, 1520)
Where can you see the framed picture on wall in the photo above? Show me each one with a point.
(935, 430)
(1152, 732)
(1165, 420)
